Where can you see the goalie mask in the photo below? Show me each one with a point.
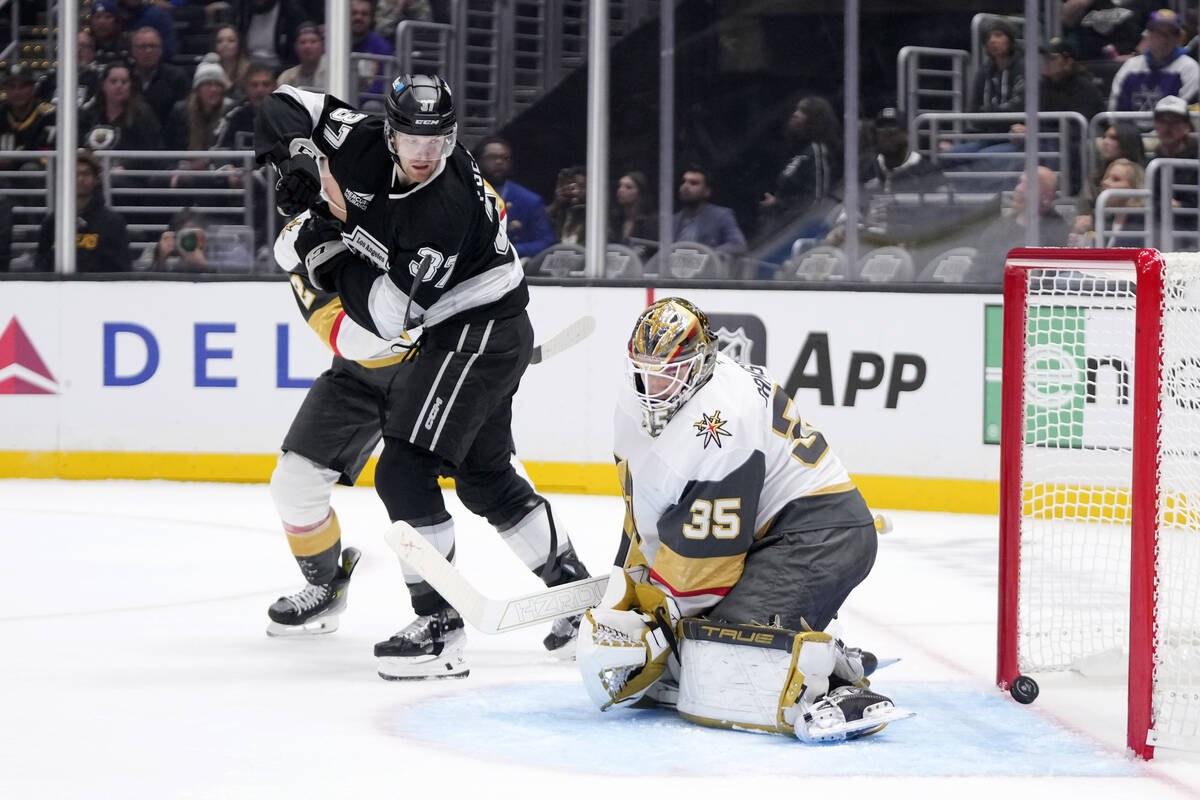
(421, 124)
(671, 355)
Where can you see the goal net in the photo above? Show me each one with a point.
(1100, 478)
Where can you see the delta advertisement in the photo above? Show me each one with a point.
(895, 381)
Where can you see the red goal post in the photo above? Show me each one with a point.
(1100, 478)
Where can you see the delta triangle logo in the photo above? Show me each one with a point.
(22, 370)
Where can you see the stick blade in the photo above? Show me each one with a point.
(487, 614)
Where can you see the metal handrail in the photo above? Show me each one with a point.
(909, 70)
(246, 157)
(1163, 214)
(1102, 212)
(1064, 120)
(410, 56)
(383, 77)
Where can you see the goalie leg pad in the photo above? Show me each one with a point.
(746, 676)
(777, 680)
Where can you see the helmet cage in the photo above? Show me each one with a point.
(671, 355)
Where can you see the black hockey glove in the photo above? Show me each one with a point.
(299, 184)
(318, 243)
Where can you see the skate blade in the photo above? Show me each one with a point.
(872, 723)
(315, 627)
(395, 669)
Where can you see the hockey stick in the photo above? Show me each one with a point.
(489, 614)
(569, 336)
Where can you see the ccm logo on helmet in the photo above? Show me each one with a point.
(426, 122)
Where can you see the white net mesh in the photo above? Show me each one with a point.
(1076, 468)
(1076, 475)
(1175, 698)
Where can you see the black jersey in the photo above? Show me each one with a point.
(448, 230)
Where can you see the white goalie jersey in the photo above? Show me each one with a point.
(726, 464)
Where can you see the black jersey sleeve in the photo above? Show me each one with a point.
(289, 114)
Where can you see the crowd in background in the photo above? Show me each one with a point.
(144, 86)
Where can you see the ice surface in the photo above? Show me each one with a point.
(135, 665)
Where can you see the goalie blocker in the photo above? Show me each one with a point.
(749, 677)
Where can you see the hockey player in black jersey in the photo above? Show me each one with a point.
(423, 251)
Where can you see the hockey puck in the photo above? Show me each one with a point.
(1024, 690)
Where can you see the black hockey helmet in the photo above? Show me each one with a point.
(420, 105)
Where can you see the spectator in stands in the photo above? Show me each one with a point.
(1176, 139)
(814, 137)
(194, 121)
(107, 32)
(634, 220)
(566, 213)
(160, 84)
(390, 13)
(896, 166)
(1008, 231)
(227, 44)
(1104, 29)
(270, 27)
(1064, 86)
(189, 245)
(116, 118)
(529, 228)
(1121, 140)
(136, 14)
(236, 131)
(25, 124)
(89, 68)
(896, 169)
(1173, 124)
(999, 85)
(363, 39)
(1120, 174)
(310, 50)
(101, 242)
(700, 221)
(1164, 69)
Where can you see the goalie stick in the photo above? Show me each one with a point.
(489, 614)
(498, 615)
(569, 336)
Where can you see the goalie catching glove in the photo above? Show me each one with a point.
(623, 651)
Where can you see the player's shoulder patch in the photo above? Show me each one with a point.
(711, 427)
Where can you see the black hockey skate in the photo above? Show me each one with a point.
(562, 637)
(315, 608)
(430, 647)
(565, 630)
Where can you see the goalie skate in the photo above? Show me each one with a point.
(315, 609)
(429, 647)
(846, 713)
